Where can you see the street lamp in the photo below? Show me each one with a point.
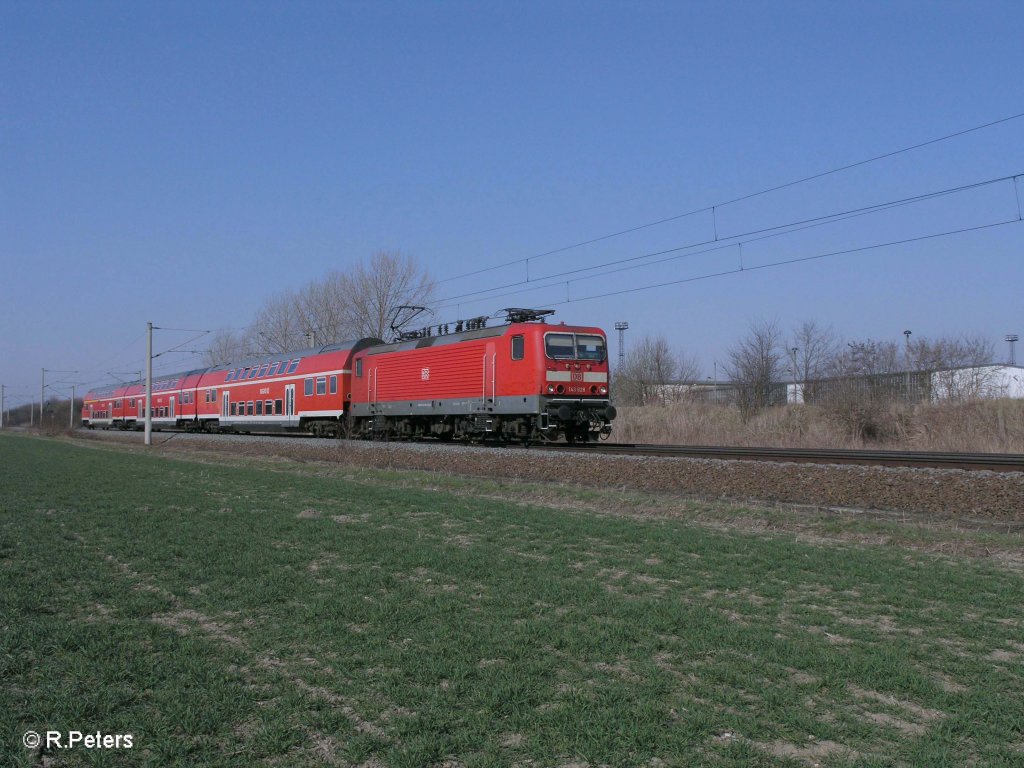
(794, 350)
(906, 354)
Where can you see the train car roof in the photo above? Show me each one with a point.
(477, 333)
(341, 346)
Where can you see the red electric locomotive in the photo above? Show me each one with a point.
(526, 380)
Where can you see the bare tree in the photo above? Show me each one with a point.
(869, 378)
(280, 323)
(754, 364)
(340, 306)
(958, 365)
(812, 348)
(374, 291)
(649, 370)
(227, 345)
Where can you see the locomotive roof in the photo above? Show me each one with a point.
(454, 338)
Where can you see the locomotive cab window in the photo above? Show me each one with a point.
(559, 346)
(518, 347)
(590, 347)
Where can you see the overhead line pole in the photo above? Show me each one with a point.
(1, 406)
(149, 384)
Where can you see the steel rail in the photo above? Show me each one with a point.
(993, 462)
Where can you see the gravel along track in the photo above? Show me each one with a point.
(997, 495)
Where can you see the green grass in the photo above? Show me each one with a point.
(265, 614)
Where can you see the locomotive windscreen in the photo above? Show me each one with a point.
(589, 348)
(559, 346)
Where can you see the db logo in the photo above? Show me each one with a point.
(577, 375)
(425, 374)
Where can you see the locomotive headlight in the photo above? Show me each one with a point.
(604, 390)
(551, 388)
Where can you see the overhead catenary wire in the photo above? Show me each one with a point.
(713, 208)
(798, 260)
(756, 235)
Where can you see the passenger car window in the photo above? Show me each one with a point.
(307, 387)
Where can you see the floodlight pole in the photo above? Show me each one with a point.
(149, 384)
(1012, 339)
(622, 327)
(71, 409)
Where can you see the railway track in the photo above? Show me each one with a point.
(992, 462)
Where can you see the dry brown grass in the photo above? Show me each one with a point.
(991, 426)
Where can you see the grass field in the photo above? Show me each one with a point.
(279, 613)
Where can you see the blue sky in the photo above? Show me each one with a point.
(180, 162)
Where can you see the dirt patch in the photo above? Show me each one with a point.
(186, 620)
(309, 514)
(1001, 654)
(346, 519)
(811, 753)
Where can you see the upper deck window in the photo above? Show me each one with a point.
(273, 369)
(294, 364)
(230, 376)
(263, 370)
(559, 346)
